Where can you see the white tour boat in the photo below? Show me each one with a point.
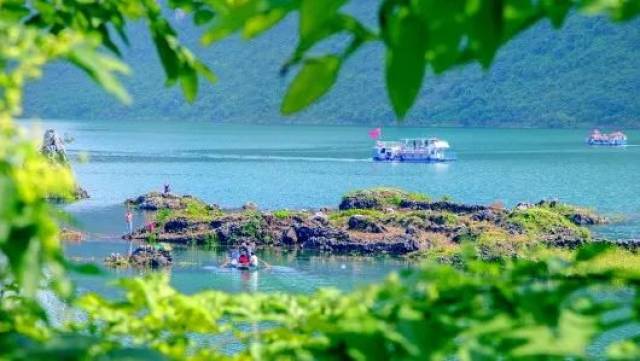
(419, 150)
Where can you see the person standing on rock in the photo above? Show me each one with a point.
(128, 217)
(167, 188)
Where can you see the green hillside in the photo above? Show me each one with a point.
(587, 74)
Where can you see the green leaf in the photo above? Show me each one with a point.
(262, 22)
(189, 83)
(205, 72)
(231, 17)
(314, 79)
(486, 28)
(405, 61)
(13, 11)
(445, 23)
(203, 16)
(84, 268)
(106, 40)
(557, 10)
(316, 14)
(22, 253)
(168, 56)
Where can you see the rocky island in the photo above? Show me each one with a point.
(143, 256)
(53, 148)
(373, 221)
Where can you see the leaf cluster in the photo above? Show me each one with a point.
(524, 309)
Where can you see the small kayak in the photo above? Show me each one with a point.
(240, 266)
(246, 268)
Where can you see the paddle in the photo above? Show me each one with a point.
(265, 263)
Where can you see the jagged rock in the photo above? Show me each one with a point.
(289, 237)
(524, 205)
(77, 194)
(250, 206)
(67, 234)
(228, 232)
(176, 225)
(548, 203)
(572, 243)
(80, 193)
(438, 219)
(487, 215)
(269, 219)
(565, 237)
(53, 147)
(630, 244)
(398, 245)
(144, 256)
(450, 230)
(151, 256)
(364, 224)
(306, 233)
(406, 229)
(410, 230)
(154, 201)
(565, 242)
(584, 219)
(442, 206)
(464, 234)
(357, 202)
(321, 218)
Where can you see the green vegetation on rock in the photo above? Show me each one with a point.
(380, 198)
(283, 213)
(539, 220)
(196, 209)
(397, 222)
(341, 216)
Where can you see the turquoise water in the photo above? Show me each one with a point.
(197, 268)
(312, 166)
(305, 166)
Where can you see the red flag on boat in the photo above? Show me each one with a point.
(375, 133)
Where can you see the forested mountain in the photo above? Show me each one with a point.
(584, 75)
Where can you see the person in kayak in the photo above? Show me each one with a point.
(253, 260)
(244, 259)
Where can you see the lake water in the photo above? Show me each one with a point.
(312, 166)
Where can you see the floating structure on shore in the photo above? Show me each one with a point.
(615, 139)
(418, 150)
